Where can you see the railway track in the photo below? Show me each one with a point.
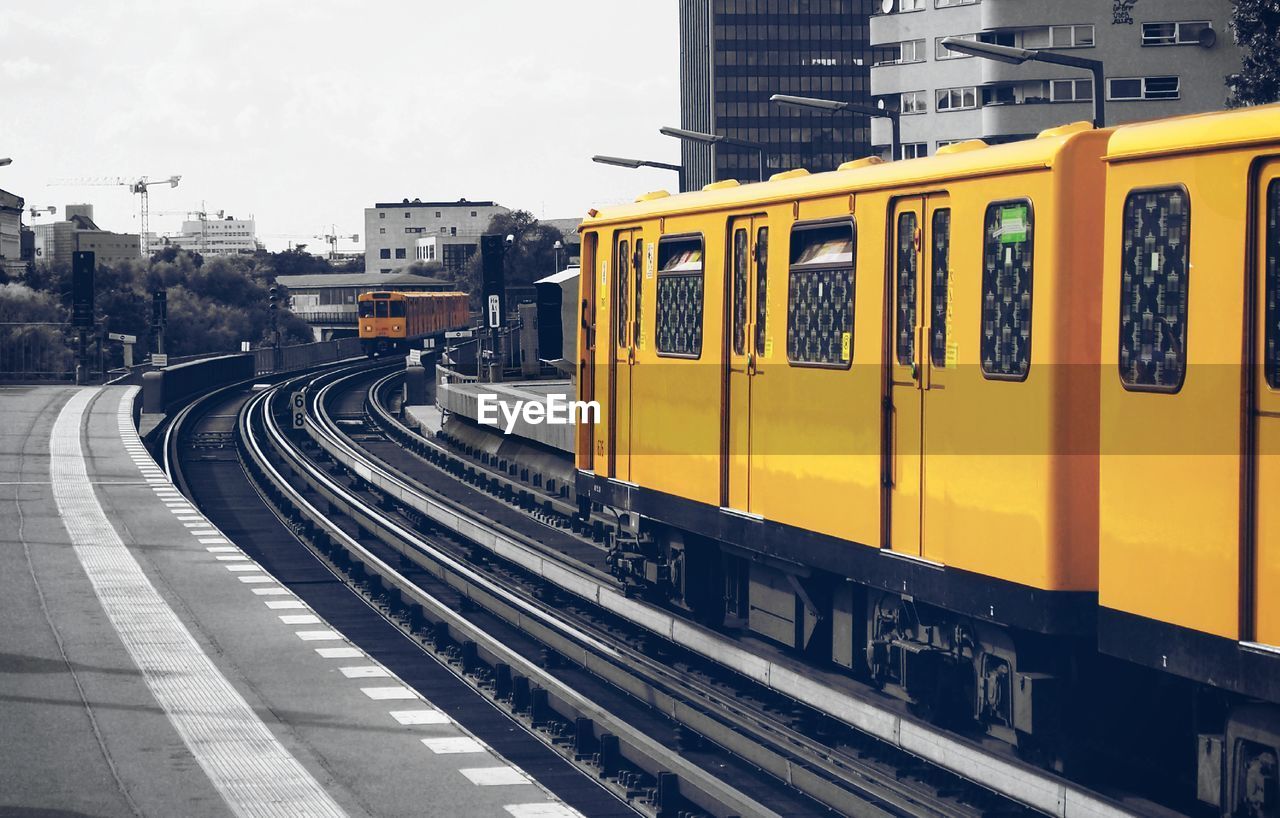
(492, 590)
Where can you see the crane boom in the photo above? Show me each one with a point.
(136, 185)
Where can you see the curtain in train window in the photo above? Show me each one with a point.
(1005, 345)
(1153, 289)
(623, 270)
(1272, 285)
(679, 301)
(940, 241)
(638, 269)
(739, 291)
(820, 296)
(762, 287)
(905, 326)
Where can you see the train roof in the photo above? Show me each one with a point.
(1196, 132)
(433, 294)
(973, 158)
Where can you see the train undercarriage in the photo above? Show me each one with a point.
(1056, 700)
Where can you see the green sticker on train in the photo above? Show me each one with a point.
(1013, 224)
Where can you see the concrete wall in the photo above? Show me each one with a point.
(1201, 71)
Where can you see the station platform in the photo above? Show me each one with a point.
(149, 667)
(463, 399)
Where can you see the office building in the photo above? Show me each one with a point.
(11, 260)
(1160, 59)
(735, 54)
(226, 236)
(393, 230)
(56, 241)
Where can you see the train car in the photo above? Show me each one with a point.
(856, 413)
(392, 321)
(1190, 424)
(995, 430)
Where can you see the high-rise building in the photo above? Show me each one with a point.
(56, 241)
(735, 54)
(393, 232)
(1160, 59)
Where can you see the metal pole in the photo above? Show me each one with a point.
(1099, 95)
(760, 156)
(895, 146)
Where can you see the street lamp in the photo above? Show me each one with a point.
(891, 114)
(5, 161)
(716, 139)
(633, 164)
(557, 247)
(1017, 56)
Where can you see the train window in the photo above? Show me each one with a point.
(905, 264)
(740, 291)
(397, 309)
(623, 271)
(820, 295)
(366, 309)
(1272, 285)
(380, 309)
(1005, 345)
(1153, 289)
(680, 297)
(637, 264)
(940, 242)
(762, 287)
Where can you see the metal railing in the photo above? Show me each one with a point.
(35, 352)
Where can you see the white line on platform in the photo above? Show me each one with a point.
(300, 619)
(257, 578)
(222, 549)
(453, 744)
(285, 604)
(364, 672)
(213, 541)
(339, 653)
(410, 717)
(495, 776)
(254, 773)
(231, 558)
(319, 636)
(243, 568)
(382, 694)
(270, 591)
(543, 810)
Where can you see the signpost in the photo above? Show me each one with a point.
(415, 358)
(299, 406)
(159, 359)
(128, 341)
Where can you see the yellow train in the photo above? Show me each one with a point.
(994, 429)
(392, 320)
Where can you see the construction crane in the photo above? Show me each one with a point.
(37, 212)
(138, 186)
(332, 238)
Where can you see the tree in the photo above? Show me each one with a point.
(1256, 27)
(532, 255)
(429, 269)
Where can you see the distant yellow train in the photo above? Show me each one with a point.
(391, 320)
(997, 429)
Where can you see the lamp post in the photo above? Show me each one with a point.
(557, 247)
(633, 164)
(5, 161)
(716, 139)
(1017, 56)
(891, 114)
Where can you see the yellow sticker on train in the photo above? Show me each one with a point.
(846, 343)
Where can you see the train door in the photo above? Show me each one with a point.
(623, 360)
(912, 259)
(586, 432)
(1265, 419)
(745, 305)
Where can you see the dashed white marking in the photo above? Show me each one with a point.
(252, 771)
(453, 744)
(284, 604)
(222, 549)
(243, 568)
(364, 672)
(409, 717)
(495, 776)
(270, 591)
(183, 517)
(196, 525)
(318, 636)
(300, 619)
(384, 694)
(257, 578)
(231, 558)
(542, 810)
(213, 541)
(339, 653)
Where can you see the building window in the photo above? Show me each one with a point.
(1153, 289)
(385, 270)
(384, 253)
(944, 4)
(957, 99)
(382, 215)
(905, 323)
(1146, 88)
(453, 231)
(473, 214)
(942, 143)
(908, 51)
(820, 295)
(679, 303)
(1272, 286)
(1071, 36)
(909, 5)
(1071, 90)
(998, 95)
(913, 102)
(941, 52)
(915, 150)
(1183, 33)
(1005, 345)
(400, 252)
(444, 231)
(437, 214)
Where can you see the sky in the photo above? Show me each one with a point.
(302, 114)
